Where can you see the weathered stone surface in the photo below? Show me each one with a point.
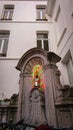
(55, 105)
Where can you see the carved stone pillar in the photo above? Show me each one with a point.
(50, 92)
(19, 113)
(27, 84)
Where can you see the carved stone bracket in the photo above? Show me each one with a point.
(67, 91)
(52, 57)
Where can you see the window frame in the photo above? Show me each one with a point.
(69, 66)
(41, 10)
(68, 62)
(4, 39)
(42, 40)
(7, 13)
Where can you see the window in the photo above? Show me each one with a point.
(41, 10)
(4, 37)
(69, 65)
(42, 40)
(8, 12)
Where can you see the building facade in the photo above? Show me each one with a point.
(63, 18)
(37, 24)
(22, 30)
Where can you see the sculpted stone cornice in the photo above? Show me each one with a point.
(52, 57)
(28, 54)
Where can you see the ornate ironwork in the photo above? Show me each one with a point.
(17, 126)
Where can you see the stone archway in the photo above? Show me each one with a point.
(31, 98)
(32, 58)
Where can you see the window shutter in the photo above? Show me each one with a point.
(43, 14)
(11, 14)
(46, 47)
(5, 47)
(5, 14)
(70, 72)
(39, 44)
(38, 13)
(0, 43)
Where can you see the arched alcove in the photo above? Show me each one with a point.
(33, 61)
(35, 55)
(37, 104)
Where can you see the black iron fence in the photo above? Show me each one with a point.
(22, 126)
(17, 126)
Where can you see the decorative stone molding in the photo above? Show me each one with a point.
(39, 107)
(28, 54)
(67, 91)
(52, 57)
(67, 96)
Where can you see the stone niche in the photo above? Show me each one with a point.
(42, 98)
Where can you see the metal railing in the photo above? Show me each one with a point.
(17, 126)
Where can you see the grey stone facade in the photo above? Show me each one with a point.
(55, 105)
(8, 109)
